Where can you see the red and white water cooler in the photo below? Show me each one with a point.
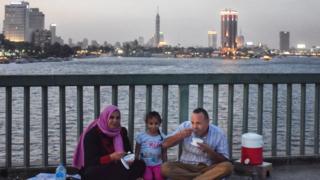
(252, 149)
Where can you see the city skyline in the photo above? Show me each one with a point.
(186, 25)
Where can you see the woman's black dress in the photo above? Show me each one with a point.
(99, 166)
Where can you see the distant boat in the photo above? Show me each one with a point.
(266, 58)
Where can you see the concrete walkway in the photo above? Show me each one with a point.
(280, 172)
(289, 172)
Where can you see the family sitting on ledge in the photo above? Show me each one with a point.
(103, 147)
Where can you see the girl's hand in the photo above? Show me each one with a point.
(117, 155)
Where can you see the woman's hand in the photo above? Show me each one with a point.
(117, 155)
(130, 162)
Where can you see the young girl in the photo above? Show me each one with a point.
(148, 147)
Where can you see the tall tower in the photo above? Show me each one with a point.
(157, 33)
(53, 29)
(16, 22)
(229, 26)
(284, 41)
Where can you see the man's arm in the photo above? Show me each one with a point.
(217, 157)
(176, 138)
(164, 155)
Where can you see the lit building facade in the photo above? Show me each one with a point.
(16, 22)
(212, 39)
(20, 21)
(284, 41)
(229, 27)
(162, 42)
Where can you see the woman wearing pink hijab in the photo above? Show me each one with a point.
(101, 146)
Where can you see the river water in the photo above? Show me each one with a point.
(115, 65)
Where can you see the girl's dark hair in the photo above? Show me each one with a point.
(154, 114)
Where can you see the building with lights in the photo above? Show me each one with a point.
(212, 39)
(284, 41)
(229, 27)
(162, 42)
(16, 22)
(20, 21)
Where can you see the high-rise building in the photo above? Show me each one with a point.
(161, 37)
(21, 22)
(162, 42)
(141, 41)
(212, 39)
(36, 20)
(229, 26)
(16, 22)
(157, 33)
(41, 37)
(284, 41)
(53, 29)
(85, 43)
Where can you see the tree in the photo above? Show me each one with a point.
(1, 39)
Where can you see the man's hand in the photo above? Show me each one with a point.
(175, 139)
(186, 133)
(211, 152)
(204, 147)
(117, 155)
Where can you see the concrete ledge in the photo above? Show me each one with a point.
(292, 160)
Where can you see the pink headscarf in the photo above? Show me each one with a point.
(102, 123)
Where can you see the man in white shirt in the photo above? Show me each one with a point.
(200, 161)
